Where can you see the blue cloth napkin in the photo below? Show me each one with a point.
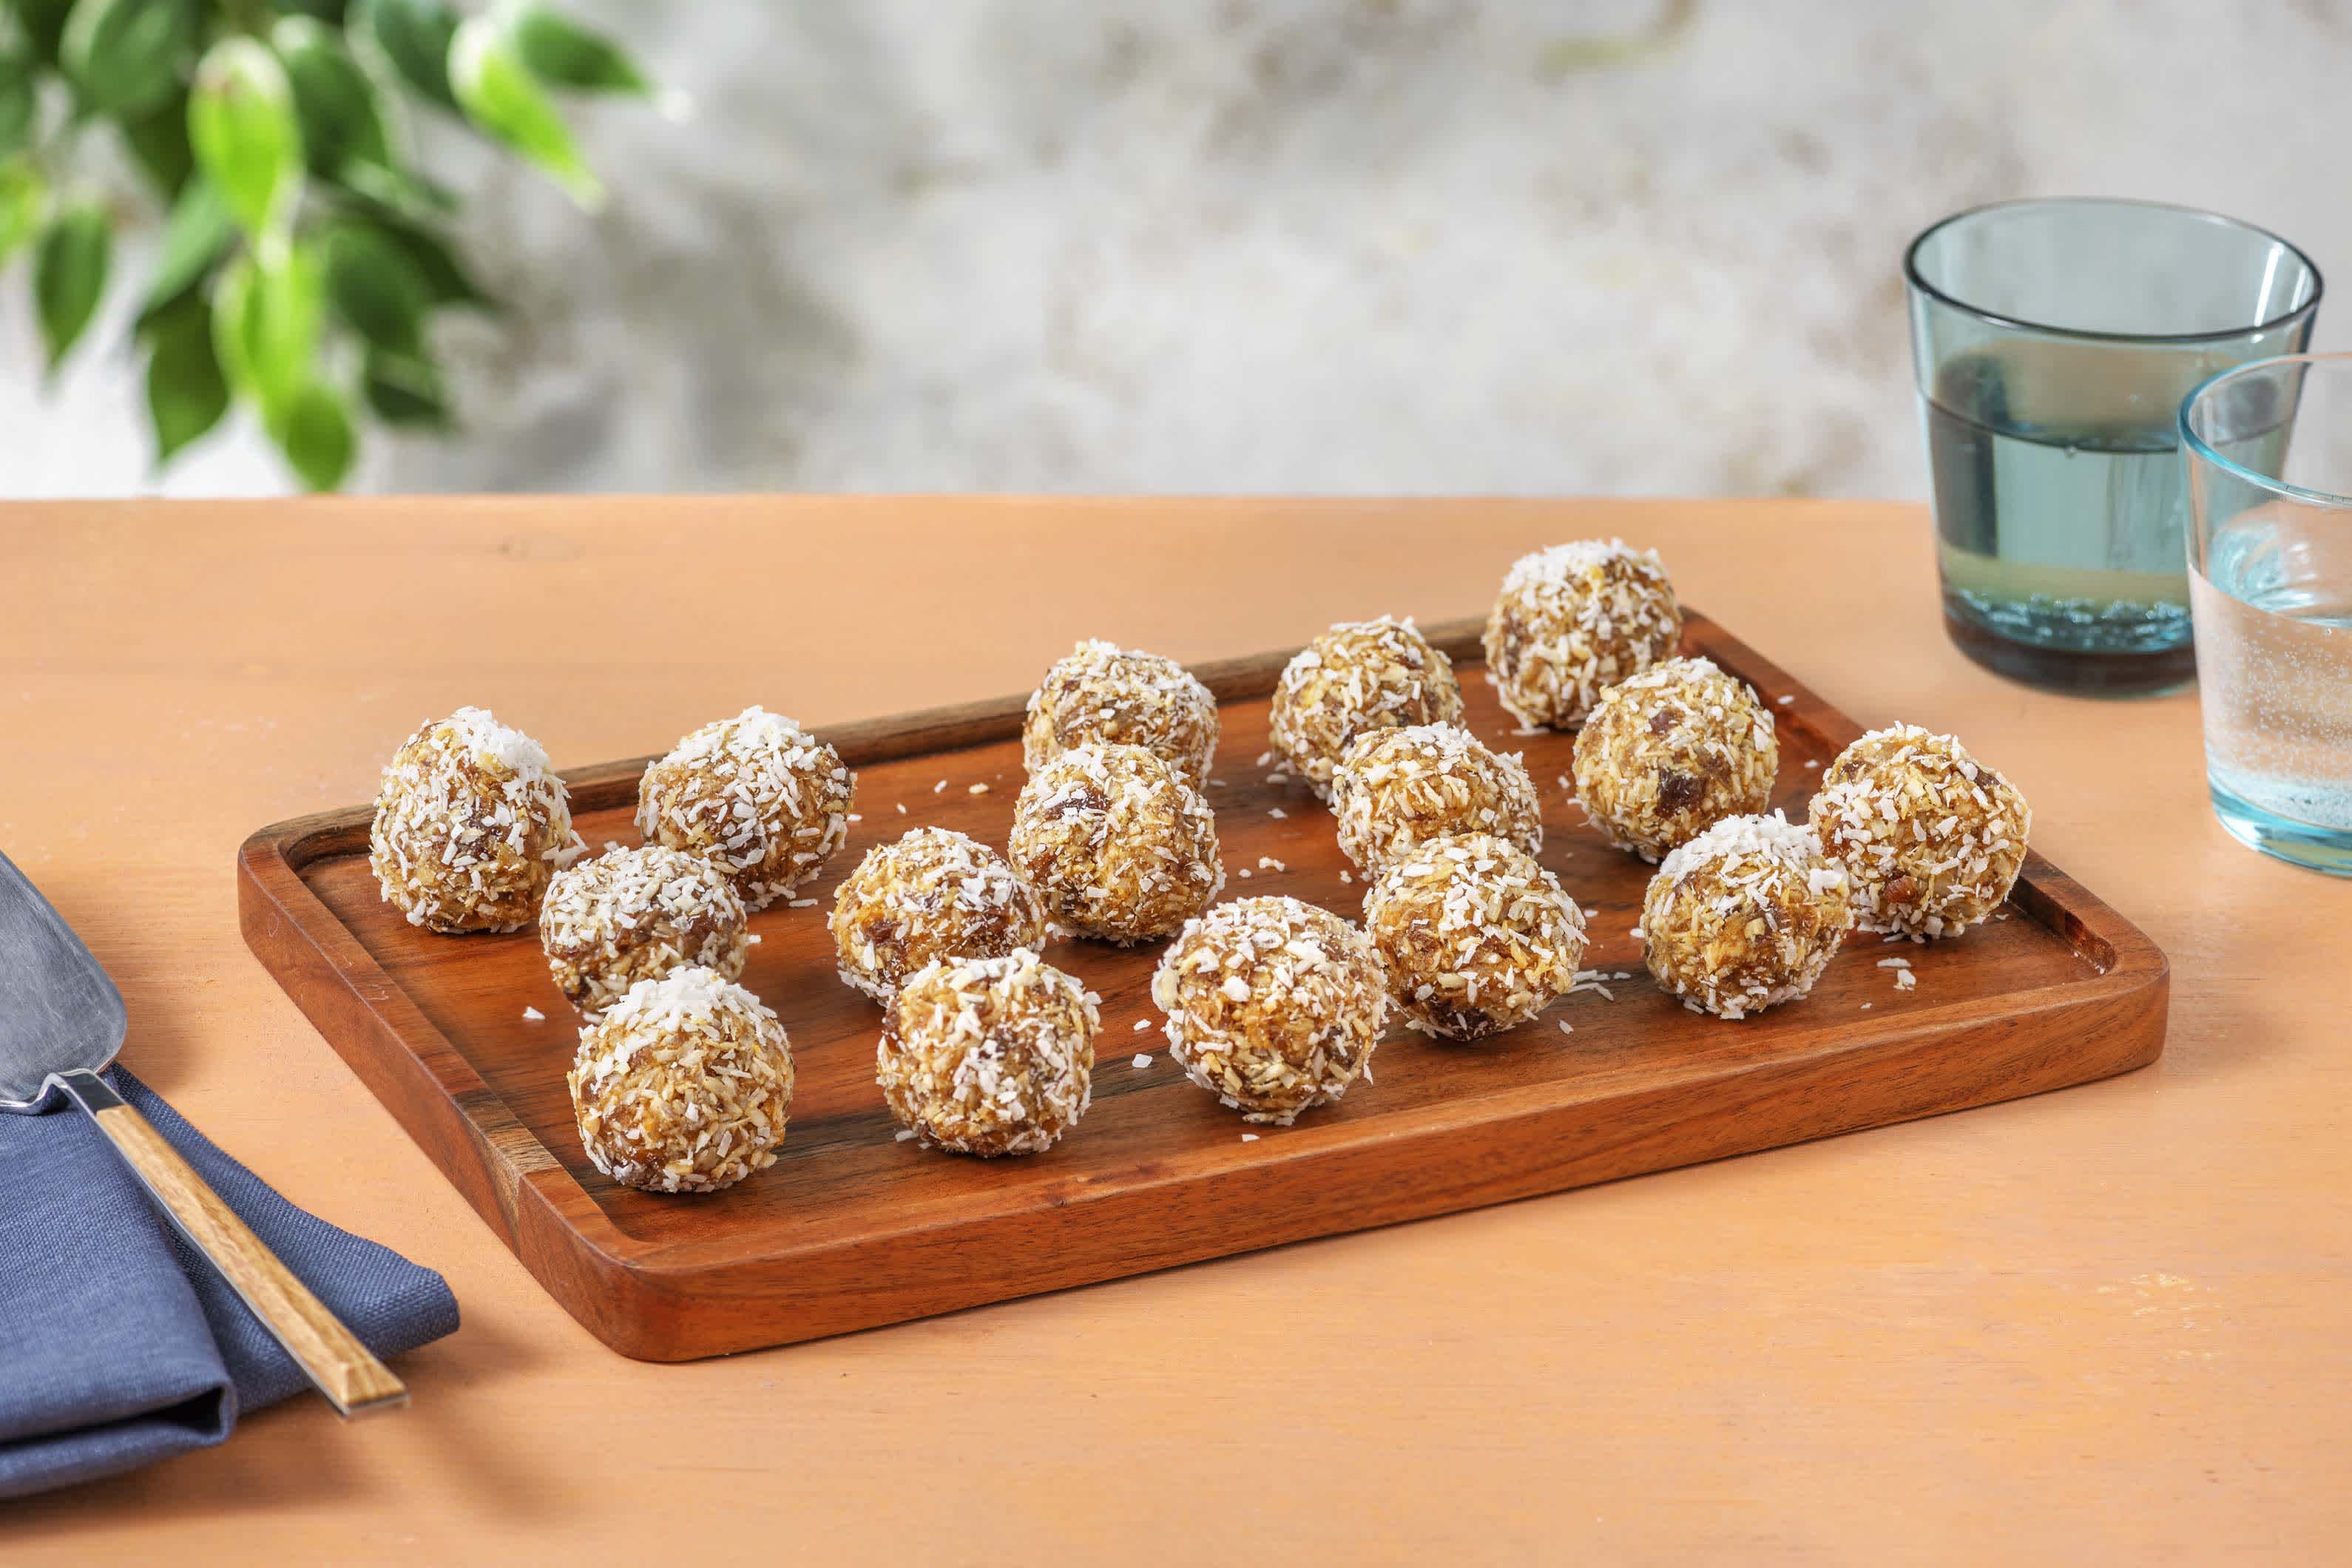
(119, 1344)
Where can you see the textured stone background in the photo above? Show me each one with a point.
(1322, 245)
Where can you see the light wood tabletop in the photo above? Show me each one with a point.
(2116, 1320)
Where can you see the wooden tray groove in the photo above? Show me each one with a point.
(852, 1229)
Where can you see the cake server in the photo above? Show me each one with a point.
(61, 1021)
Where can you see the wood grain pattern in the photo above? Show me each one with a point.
(853, 1228)
(330, 1354)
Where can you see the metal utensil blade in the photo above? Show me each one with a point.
(59, 1010)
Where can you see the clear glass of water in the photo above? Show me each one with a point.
(2052, 343)
(2269, 458)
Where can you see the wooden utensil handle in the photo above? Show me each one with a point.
(346, 1371)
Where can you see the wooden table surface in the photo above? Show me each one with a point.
(2116, 1320)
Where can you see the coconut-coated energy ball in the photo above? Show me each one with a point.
(989, 1056)
(758, 795)
(637, 914)
(1477, 937)
(683, 1085)
(1573, 620)
(1669, 753)
(933, 894)
(1117, 844)
(1358, 675)
(1102, 694)
(1745, 916)
(1273, 1005)
(469, 826)
(1933, 838)
(1397, 789)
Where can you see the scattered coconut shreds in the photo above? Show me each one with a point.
(1345, 878)
(941, 787)
(1268, 863)
(1894, 963)
(1784, 701)
(902, 808)
(1142, 1060)
(1264, 758)
(751, 941)
(2001, 914)
(1566, 1027)
(1814, 762)
(1249, 1137)
(802, 904)
(1246, 871)
(1637, 934)
(901, 1135)
(1219, 783)
(1866, 1006)
(980, 789)
(1276, 813)
(1566, 785)
(1142, 1025)
(1905, 980)
(534, 1014)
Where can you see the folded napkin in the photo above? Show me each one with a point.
(119, 1344)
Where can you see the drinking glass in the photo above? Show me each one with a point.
(2269, 457)
(2052, 342)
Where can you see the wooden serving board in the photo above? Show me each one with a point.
(853, 1228)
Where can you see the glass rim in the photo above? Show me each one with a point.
(1912, 276)
(2193, 442)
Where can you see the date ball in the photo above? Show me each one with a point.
(1476, 936)
(933, 894)
(1397, 789)
(1273, 1005)
(1669, 753)
(757, 795)
(1745, 916)
(469, 827)
(1117, 844)
(1574, 620)
(637, 914)
(683, 1085)
(1360, 675)
(1933, 838)
(989, 1056)
(1105, 694)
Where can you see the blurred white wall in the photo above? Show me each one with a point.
(1301, 245)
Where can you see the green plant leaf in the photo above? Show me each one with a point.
(314, 430)
(325, 10)
(44, 22)
(187, 393)
(374, 288)
(498, 94)
(403, 191)
(22, 196)
(266, 306)
(334, 103)
(405, 391)
(158, 140)
(124, 55)
(413, 36)
(195, 236)
(242, 125)
(564, 54)
(19, 106)
(69, 275)
(445, 279)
